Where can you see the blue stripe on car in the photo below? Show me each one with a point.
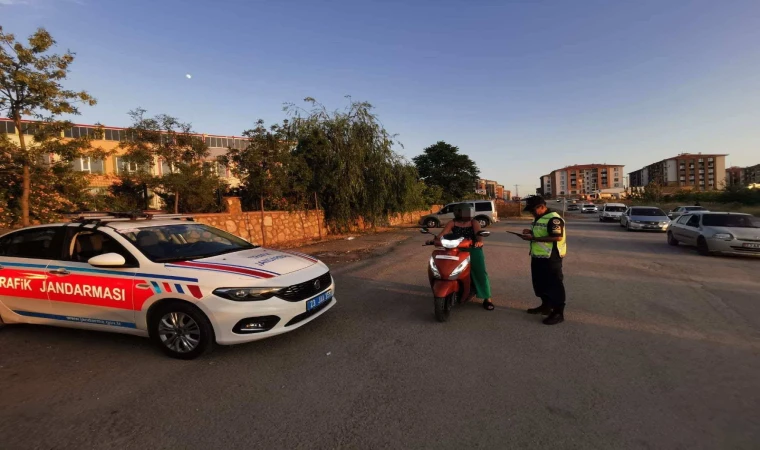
(110, 323)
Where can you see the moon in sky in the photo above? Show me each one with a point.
(188, 76)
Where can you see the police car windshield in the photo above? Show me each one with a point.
(182, 242)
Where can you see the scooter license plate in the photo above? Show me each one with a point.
(452, 258)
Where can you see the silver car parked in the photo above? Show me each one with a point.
(649, 218)
(717, 232)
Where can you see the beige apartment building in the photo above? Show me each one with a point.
(584, 181)
(105, 172)
(687, 171)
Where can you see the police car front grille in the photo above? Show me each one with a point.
(307, 289)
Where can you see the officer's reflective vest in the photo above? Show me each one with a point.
(544, 249)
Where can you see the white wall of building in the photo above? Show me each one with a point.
(671, 171)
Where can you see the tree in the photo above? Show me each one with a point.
(30, 85)
(196, 188)
(652, 192)
(56, 185)
(442, 165)
(128, 194)
(271, 175)
(354, 170)
(166, 141)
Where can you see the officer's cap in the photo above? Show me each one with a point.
(532, 202)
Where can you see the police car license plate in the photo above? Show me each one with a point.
(318, 300)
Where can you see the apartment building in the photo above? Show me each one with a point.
(743, 176)
(106, 171)
(584, 180)
(545, 181)
(752, 175)
(735, 176)
(687, 171)
(491, 189)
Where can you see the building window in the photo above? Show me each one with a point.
(124, 166)
(6, 126)
(89, 165)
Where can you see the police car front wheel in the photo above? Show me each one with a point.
(181, 330)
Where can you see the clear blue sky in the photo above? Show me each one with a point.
(522, 86)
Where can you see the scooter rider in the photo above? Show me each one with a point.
(548, 246)
(464, 226)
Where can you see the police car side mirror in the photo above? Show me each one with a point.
(107, 260)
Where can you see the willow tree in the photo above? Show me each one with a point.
(31, 87)
(355, 170)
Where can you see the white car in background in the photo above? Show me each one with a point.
(589, 208)
(611, 212)
(183, 284)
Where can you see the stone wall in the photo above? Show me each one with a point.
(509, 209)
(282, 228)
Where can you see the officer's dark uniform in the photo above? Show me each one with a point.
(546, 263)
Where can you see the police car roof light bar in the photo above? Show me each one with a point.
(119, 216)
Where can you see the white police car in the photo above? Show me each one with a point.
(183, 284)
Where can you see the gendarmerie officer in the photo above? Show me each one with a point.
(548, 245)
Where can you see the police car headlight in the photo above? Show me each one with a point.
(463, 265)
(247, 294)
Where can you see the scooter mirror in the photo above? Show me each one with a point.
(484, 233)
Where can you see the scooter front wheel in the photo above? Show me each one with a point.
(442, 308)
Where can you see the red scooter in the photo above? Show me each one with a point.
(449, 272)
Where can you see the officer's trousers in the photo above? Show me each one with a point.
(548, 285)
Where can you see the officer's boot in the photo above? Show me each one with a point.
(544, 309)
(556, 316)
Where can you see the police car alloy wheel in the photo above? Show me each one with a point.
(181, 330)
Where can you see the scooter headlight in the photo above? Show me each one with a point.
(451, 243)
(460, 268)
(434, 269)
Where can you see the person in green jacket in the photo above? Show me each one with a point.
(464, 226)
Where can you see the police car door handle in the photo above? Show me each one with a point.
(143, 286)
(60, 271)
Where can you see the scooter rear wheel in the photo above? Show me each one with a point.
(442, 308)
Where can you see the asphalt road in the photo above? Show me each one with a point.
(660, 349)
